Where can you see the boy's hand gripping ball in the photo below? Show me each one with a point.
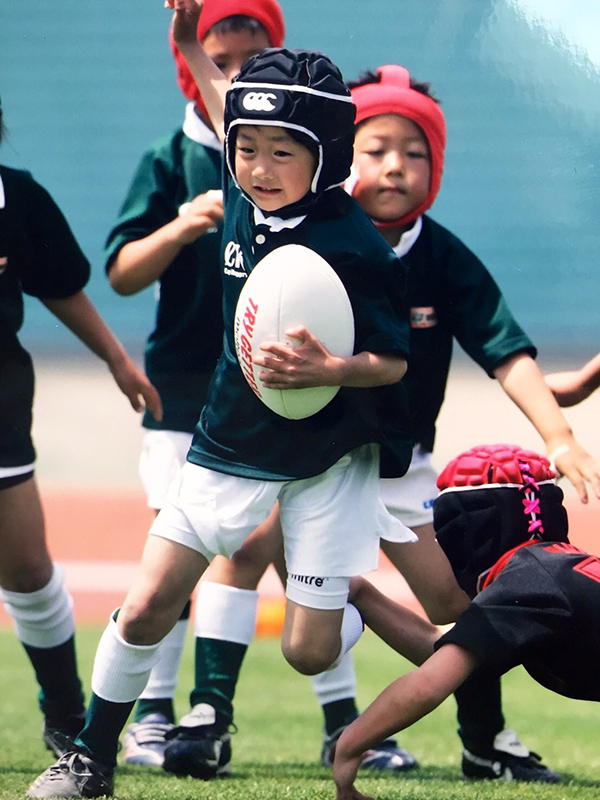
(292, 286)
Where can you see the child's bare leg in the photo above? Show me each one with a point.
(311, 639)
(25, 565)
(129, 646)
(248, 564)
(165, 579)
(427, 571)
(225, 616)
(34, 593)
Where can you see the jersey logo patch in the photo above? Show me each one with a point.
(563, 547)
(234, 260)
(590, 568)
(423, 317)
(262, 101)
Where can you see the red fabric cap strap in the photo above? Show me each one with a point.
(393, 95)
(267, 12)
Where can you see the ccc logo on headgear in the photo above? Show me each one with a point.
(260, 101)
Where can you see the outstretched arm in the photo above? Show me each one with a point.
(402, 703)
(211, 82)
(81, 317)
(524, 383)
(570, 388)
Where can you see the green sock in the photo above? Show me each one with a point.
(158, 705)
(56, 672)
(104, 723)
(338, 714)
(218, 665)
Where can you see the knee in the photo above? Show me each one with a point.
(306, 660)
(447, 609)
(27, 577)
(143, 623)
(247, 567)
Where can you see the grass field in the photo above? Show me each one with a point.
(277, 745)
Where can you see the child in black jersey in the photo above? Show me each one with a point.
(536, 598)
(40, 257)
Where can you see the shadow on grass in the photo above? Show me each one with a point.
(293, 770)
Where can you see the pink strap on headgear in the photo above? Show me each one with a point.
(267, 12)
(393, 95)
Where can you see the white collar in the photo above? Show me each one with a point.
(196, 129)
(408, 238)
(2, 194)
(276, 224)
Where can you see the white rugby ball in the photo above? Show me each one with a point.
(291, 286)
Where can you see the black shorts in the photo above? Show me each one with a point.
(16, 404)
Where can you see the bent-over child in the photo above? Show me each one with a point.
(535, 598)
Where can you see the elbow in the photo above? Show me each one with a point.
(397, 371)
(120, 285)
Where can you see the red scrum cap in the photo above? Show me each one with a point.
(267, 12)
(393, 95)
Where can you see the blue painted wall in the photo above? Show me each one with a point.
(87, 85)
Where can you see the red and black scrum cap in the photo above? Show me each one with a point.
(494, 498)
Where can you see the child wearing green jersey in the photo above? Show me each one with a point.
(397, 170)
(169, 232)
(286, 162)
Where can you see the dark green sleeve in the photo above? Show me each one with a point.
(477, 312)
(151, 202)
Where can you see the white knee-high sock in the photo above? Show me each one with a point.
(43, 618)
(121, 669)
(350, 633)
(225, 613)
(163, 678)
(336, 683)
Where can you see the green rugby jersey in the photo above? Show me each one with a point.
(182, 351)
(451, 296)
(239, 435)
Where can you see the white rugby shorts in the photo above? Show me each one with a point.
(163, 455)
(331, 522)
(411, 497)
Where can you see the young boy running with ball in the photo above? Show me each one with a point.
(286, 160)
(397, 173)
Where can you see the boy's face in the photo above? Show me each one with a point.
(230, 50)
(392, 158)
(272, 168)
